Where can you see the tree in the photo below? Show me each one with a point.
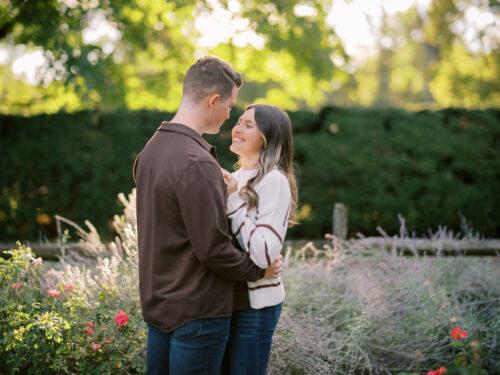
(142, 62)
(426, 61)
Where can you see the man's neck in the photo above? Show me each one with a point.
(189, 116)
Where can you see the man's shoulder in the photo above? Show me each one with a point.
(176, 147)
(172, 154)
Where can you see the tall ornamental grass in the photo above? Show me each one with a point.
(351, 310)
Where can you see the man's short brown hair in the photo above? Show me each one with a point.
(210, 74)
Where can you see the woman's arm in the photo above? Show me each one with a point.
(263, 237)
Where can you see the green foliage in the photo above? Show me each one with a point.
(421, 60)
(426, 61)
(157, 43)
(428, 166)
(65, 332)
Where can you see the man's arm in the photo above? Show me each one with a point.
(200, 193)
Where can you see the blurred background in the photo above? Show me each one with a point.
(395, 104)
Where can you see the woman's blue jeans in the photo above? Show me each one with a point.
(196, 347)
(250, 341)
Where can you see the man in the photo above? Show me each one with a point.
(187, 263)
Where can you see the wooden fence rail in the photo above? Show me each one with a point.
(51, 251)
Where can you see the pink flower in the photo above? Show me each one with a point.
(95, 346)
(458, 333)
(432, 372)
(18, 285)
(121, 318)
(37, 262)
(68, 287)
(53, 293)
(90, 328)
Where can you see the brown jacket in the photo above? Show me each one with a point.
(187, 264)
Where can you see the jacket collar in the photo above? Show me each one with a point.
(186, 130)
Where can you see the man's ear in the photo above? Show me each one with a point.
(213, 98)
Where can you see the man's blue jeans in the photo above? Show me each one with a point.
(196, 347)
(250, 341)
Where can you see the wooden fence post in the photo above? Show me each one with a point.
(340, 220)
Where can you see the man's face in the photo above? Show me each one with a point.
(221, 111)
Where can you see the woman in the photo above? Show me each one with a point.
(261, 205)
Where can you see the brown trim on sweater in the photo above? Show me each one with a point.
(264, 286)
(271, 229)
(242, 205)
(238, 231)
(250, 237)
(268, 258)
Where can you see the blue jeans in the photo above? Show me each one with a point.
(196, 347)
(250, 341)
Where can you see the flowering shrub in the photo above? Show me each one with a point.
(83, 318)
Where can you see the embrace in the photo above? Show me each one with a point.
(210, 240)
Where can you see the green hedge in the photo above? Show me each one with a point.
(429, 166)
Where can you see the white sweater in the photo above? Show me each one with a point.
(261, 230)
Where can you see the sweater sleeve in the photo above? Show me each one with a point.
(263, 237)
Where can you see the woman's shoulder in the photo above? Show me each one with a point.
(275, 178)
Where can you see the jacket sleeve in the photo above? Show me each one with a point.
(263, 236)
(201, 197)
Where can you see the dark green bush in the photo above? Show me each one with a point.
(429, 166)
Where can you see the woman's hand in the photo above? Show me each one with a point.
(274, 270)
(231, 182)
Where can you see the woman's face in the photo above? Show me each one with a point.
(248, 141)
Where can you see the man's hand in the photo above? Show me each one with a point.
(274, 269)
(231, 182)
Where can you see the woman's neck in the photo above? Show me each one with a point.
(249, 162)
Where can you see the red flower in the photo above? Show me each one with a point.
(121, 318)
(90, 328)
(439, 371)
(458, 333)
(68, 287)
(53, 293)
(95, 346)
(18, 285)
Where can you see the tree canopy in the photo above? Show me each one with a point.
(133, 53)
